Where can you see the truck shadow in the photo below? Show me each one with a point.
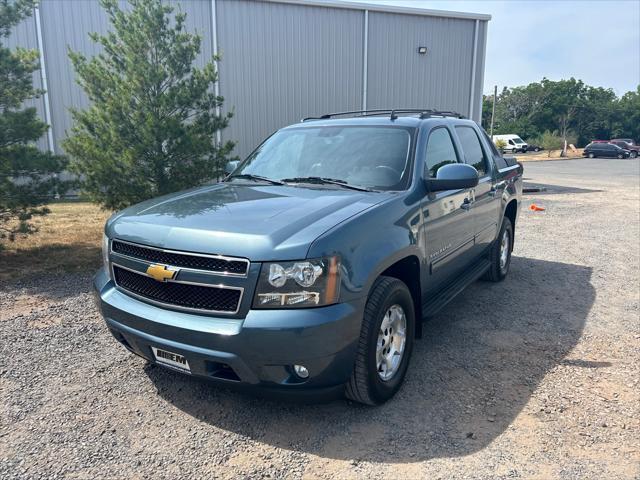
(473, 372)
(548, 189)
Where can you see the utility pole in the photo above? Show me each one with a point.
(493, 110)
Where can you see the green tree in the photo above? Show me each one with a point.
(28, 177)
(562, 101)
(500, 145)
(152, 123)
(550, 141)
(596, 115)
(626, 123)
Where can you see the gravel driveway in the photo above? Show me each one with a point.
(536, 377)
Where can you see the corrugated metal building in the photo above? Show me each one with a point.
(286, 59)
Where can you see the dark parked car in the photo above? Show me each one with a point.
(309, 269)
(627, 144)
(534, 148)
(599, 149)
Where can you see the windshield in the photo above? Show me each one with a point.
(518, 140)
(369, 156)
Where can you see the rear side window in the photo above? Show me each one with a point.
(473, 153)
(440, 151)
(497, 157)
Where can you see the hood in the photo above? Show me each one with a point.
(260, 223)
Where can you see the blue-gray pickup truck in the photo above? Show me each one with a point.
(309, 269)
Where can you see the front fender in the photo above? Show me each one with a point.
(371, 242)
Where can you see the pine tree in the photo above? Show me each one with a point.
(27, 175)
(151, 127)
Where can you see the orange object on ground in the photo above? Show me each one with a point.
(536, 208)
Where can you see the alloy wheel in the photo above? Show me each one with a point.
(391, 342)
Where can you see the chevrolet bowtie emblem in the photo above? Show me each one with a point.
(162, 273)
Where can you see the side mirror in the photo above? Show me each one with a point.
(231, 166)
(454, 176)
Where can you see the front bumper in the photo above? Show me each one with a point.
(257, 351)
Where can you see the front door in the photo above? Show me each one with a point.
(448, 224)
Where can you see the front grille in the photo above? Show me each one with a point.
(197, 262)
(183, 295)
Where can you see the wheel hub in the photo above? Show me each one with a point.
(391, 342)
(504, 249)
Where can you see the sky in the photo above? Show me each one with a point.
(596, 41)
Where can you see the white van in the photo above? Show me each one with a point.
(514, 143)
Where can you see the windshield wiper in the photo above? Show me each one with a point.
(255, 178)
(325, 180)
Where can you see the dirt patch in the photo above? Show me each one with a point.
(68, 240)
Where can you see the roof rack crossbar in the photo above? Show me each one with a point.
(393, 113)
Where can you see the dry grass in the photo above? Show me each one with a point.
(68, 239)
(555, 155)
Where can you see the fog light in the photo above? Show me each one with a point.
(301, 371)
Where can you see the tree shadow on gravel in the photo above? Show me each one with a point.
(49, 271)
(475, 369)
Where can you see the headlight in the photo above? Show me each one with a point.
(306, 283)
(105, 254)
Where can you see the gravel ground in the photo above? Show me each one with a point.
(536, 377)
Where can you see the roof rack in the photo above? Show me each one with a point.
(393, 113)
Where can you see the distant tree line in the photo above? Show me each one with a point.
(568, 110)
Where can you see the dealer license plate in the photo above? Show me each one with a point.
(170, 359)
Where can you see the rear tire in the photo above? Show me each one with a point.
(388, 297)
(501, 259)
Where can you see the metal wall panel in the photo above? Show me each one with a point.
(480, 64)
(66, 24)
(400, 77)
(24, 36)
(282, 62)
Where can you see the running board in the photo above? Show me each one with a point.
(438, 302)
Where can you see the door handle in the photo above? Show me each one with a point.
(496, 188)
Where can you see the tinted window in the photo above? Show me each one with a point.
(497, 157)
(440, 150)
(374, 157)
(492, 145)
(473, 153)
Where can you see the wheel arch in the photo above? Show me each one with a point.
(511, 212)
(407, 270)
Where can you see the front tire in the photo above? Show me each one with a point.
(591, 155)
(620, 156)
(500, 255)
(633, 155)
(385, 344)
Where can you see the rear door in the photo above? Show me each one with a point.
(485, 202)
(609, 150)
(448, 224)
